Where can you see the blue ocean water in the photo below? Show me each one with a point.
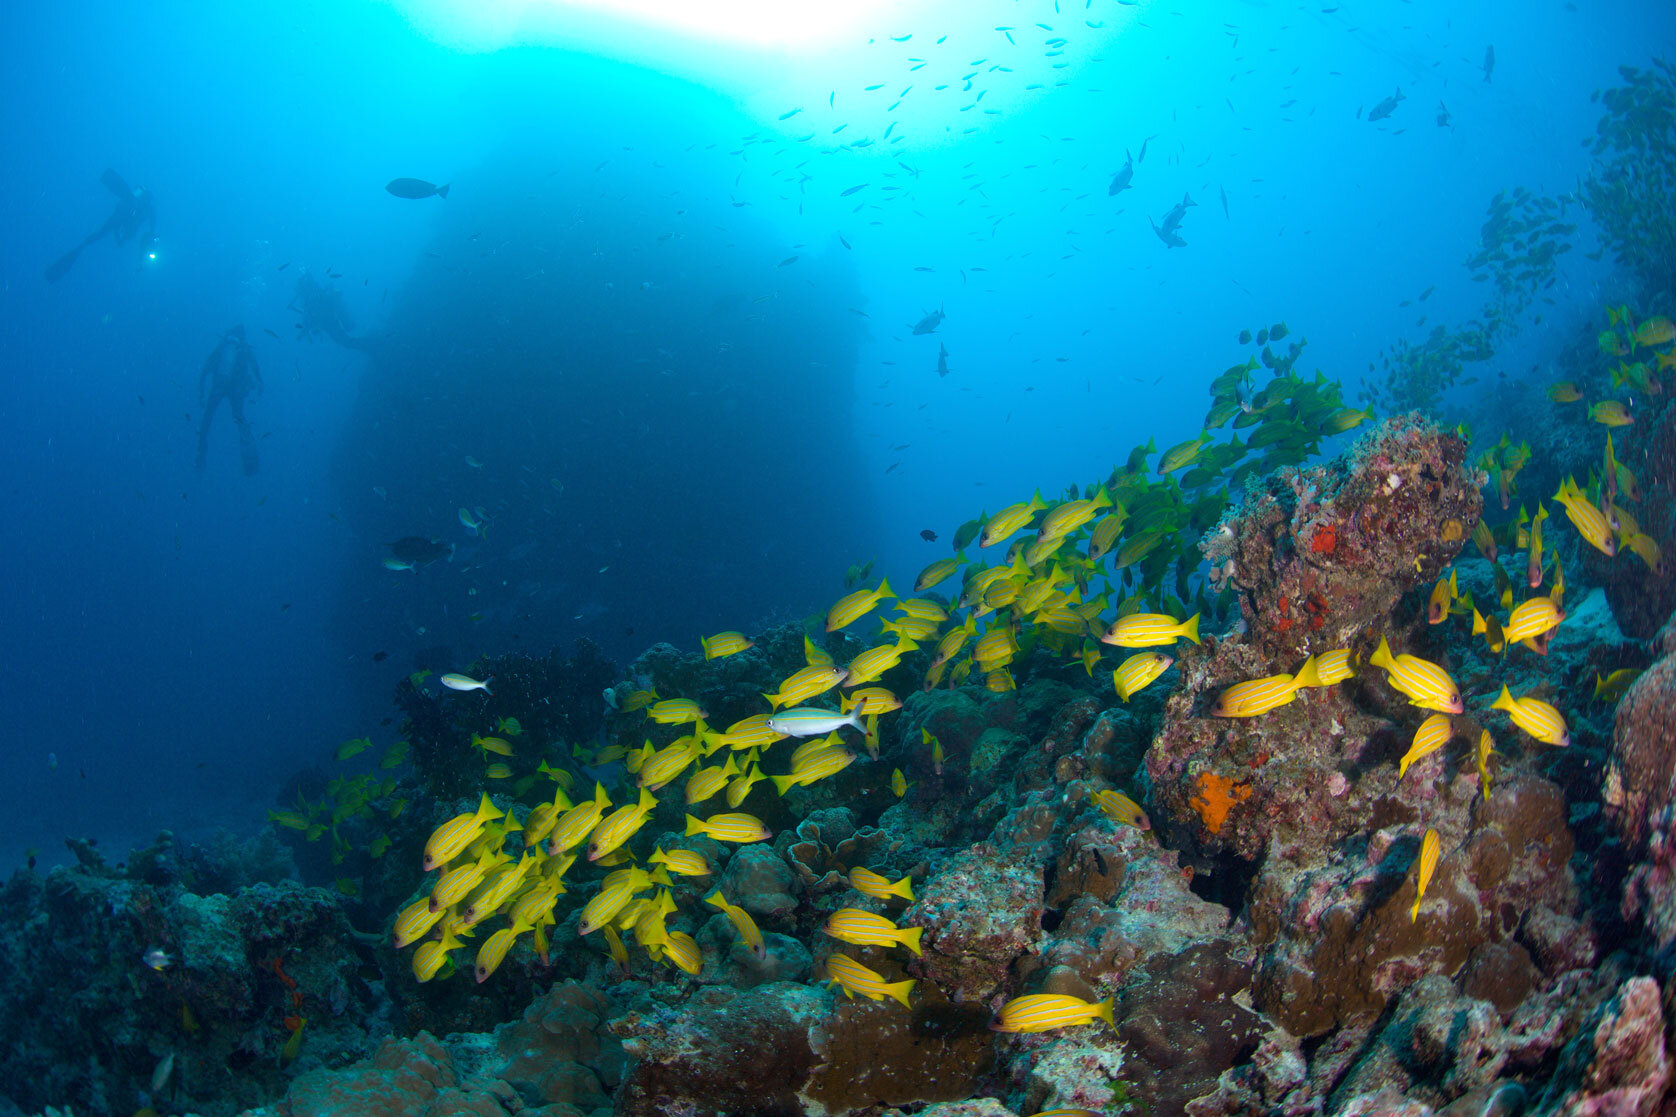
(655, 332)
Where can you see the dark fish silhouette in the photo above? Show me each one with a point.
(1489, 62)
(415, 188)
(1386, 107)
(928, 535)
(929, 324)
(942, 360)
(1120, 181)
(418, 549)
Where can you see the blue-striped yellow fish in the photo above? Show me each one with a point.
(880, 887)
(863, 928)
(1432, 735)
(1426, 684)
(729, 828)
(1041, 1012)
(1427, 863)
(1137, 672)
(1535, 717)
(854, 978)
(1150, 630)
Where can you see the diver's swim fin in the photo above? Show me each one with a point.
(115, 183)
(56, 270)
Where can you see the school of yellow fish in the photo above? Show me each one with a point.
(1037, 596)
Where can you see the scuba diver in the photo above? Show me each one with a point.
(322, 312)
(133, 209)
(229, 374)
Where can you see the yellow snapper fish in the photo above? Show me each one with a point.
(856, 978)
(871, 700)
(1432, 735)
(724, 644)
(1137, 672)
(455, 883)
(1586, 518)
(1007, 521)
(1647, 550)
(676, 711)
(1259, 696)
(863, 928)
(1610, 413)
(1565, 392)
(1615, 685)
(661, 767)
(741, 786)
(874, 662)
(938, 572)
(1071, 515)
(449, 839)
(741, 828)
(815, 765)
(497, 745)
(432, 954)
(1104, 535)
(1426, 684)
(1532, 618)
(615, 892)
(1427, 862)
(576, 823)
(682, 949)
(682, 862)
(493, 951)
(869, 883)
(1150, 630)
(705, 782)
(742, 922)
(1535, 717)
(1486, 749)
(1332, 668)
(806, 683)
(1120, 808)
(1533, 561)
(1041, 1012)
(1437, 606)
(621, 825)
(413, 922)
(852, 607)
(898, 783)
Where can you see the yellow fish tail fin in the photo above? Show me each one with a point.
(910, 939)
(694, 826)
(717, 900)
(903, 888)
(884, 589)
(900, 991)
(1103, 1011)
(487, 811)
(783, 784)
(1414, 912)
(1381, 656)
(1504, 700)
(1308, 675)
(1478, 625)
(1191, 628)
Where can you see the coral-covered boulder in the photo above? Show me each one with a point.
(1618, 1064)
(1321, 553)
(981, 912)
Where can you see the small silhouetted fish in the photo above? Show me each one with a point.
(942, 360)
(928, 535)
(892, 467)
(415, 188)
(380, 657)
(929, 324)
(270, 333)
(1120, 181)
(1489, 62)
(788, 260)
(283, 266)
(1386, 107)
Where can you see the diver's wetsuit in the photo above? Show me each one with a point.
(229, 373)
(134, 209)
